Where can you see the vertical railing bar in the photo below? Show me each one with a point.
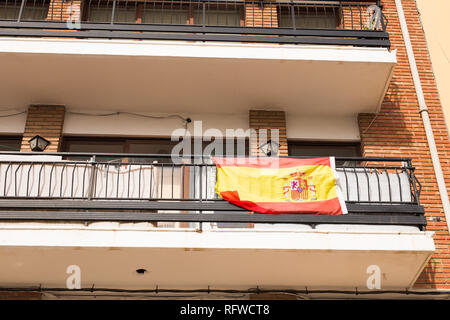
(61, 182)
(173, 168)
(139, 188)
(106, 182)
(206, 182)
(92, 179)
(368, 184)
(6, 177)
(28, 177)
(379, 186)
(162, 179)
(50, 180)
(15, 179)
(399, 184)
(360, 17)
(203, 14)
(346, 183)
(73, 179)
(84, 178)
(129, 177)
(113, 12)
(118, 180)
(182, 180)
(195, 184)
(162, 11)
(201, 192)
(293, 15)
(61, 11)
(357, 181)
(21, 10)
(171, 12)
(39, 179)
(152, 168)
(414, 180)
(389, 183)
(351, 15)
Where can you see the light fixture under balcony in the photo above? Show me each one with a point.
(38, 143)
(270, 148)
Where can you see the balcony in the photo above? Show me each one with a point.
(112, 188)
(120, 212)
(307, 58)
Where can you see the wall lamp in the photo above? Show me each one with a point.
(270, 148)
(38, 143)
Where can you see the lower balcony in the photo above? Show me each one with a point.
(113, 214)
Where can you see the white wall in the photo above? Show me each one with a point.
(130, 125)
(298, 127)
(14, 124)
(321, 128)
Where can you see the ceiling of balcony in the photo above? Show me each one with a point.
(193, 77)
(109, 254)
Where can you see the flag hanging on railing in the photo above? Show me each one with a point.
(280, 185)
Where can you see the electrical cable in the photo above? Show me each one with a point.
(128, 113)
(232, 291)
(12, 115)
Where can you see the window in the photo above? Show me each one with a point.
(119, 145)
(172, 13)
(166, 16)
(10, 143)
(309, 18)
(324, 149)
(219, 17)
(32, 11)
(135, 145)
(103, 13)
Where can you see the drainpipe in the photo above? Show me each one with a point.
(425, 116)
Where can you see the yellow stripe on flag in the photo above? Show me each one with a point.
(270, 185)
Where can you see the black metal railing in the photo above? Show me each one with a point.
(356, 23)
(376, 190)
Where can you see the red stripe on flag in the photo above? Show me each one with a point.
(328, 207)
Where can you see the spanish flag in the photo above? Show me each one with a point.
(280, 185)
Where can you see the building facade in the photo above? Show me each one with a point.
(433, 21)
(112, 87)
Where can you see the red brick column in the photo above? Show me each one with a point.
(60, 10)
(257, 16)
(46, 121)
(262, 119)
(398, 131)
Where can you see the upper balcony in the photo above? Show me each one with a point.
(308, 58)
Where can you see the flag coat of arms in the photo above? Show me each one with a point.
(280, 185)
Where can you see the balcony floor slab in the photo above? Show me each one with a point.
(164, 76)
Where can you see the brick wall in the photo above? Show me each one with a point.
(257, 16)
(46, 121)
(20, 295)
(263, 119)
(60, 10)
(398, 131)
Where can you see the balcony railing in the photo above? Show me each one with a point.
(137, 187)
(354, 23)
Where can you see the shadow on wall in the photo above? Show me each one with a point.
(427, 279)
(390, 127)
